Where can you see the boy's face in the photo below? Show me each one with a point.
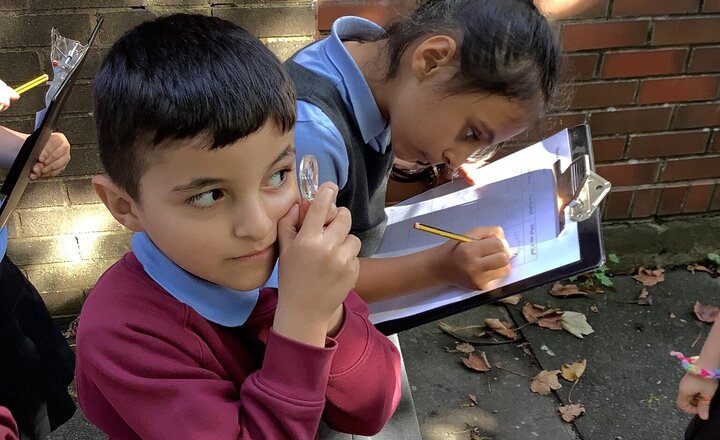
(215, 213)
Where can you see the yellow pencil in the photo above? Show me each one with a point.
(31, 84)
(459, 237)
(443, 233)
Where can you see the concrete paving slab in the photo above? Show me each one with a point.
(630, 385)
(506, 408)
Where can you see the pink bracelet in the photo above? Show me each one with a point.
(689, 366)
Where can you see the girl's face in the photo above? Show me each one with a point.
(430, 126)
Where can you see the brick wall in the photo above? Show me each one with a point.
(60, 235)
(646, 75)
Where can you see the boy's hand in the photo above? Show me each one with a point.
(318, 267)
(54, 157)
(473, 265)
(695, 394)
(7, 95)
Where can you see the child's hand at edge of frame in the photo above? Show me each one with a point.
(318, 267)
(7, 96)
(53, 159)
(695, 394)
(473, 265)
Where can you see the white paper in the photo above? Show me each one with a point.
(517, 192)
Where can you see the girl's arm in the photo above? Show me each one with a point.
(10, 143)
(710, 353)
(695, 392)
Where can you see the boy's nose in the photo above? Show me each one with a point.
(253, 222)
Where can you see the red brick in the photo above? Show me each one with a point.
(645, 203)
(378, 11)
(643, 63)
(597, 8)
(687, 30)
(672, 200)
(580, 66)
(697, 116)
(605, 94)
(712, 6)
(654, 7)
(626, 174)
(698, 88)
(667, 144)
(618, 205)
(705, 59)
(715, 203)
(608, 149)
(698, 198)
(630, 121)
(598, 35)
(691, 169)
(715, 143)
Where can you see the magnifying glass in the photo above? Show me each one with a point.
(308, 177)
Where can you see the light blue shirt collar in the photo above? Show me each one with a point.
(359, 96)
(218, 304)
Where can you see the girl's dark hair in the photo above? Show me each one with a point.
(507, 47)
(184, 76)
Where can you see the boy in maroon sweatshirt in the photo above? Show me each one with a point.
(197, 333)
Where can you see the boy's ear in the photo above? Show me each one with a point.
(436, 51)
(118, 202)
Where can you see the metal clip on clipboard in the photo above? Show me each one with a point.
(580, 189)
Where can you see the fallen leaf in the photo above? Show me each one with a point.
(566, 290)
(700, 268)
(512, 300)
(542, 316)
(714, 257)
(574, 371)
(706, 313)
(645, 299)
(545, 382)
(571, 412)
(613, 258)
(501, 327)
(477, 362)
(464, 333)
(594, 309)
(464, 347)
(576, 323)
(650, 277)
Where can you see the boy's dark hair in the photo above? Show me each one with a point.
(506, 46)
(181, 76)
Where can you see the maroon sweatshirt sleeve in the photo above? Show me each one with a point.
(8, 427)
(365, 377)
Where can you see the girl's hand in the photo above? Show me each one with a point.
(473, 265)
(7, 95)
(54, 157)
(695, 394)
(318, 267)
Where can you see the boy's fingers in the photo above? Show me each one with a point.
(314, 221)
(287, 229)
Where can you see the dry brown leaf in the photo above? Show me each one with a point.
(706, 313)
(571, 412)
(512, 300)
(700, 268)
(542, 316)
(574, 371)
(650, 277)
(477, 362)
(532, 312)
(545, 382)
(501, 327)
(645, 299)
(464, 347)
(566, 290)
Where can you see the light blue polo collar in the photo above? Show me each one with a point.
(218, 304)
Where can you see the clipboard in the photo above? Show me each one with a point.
(580, 192)
(18, 175)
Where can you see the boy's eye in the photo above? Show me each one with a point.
(278, 177)
(472, 134)
(206, 199)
